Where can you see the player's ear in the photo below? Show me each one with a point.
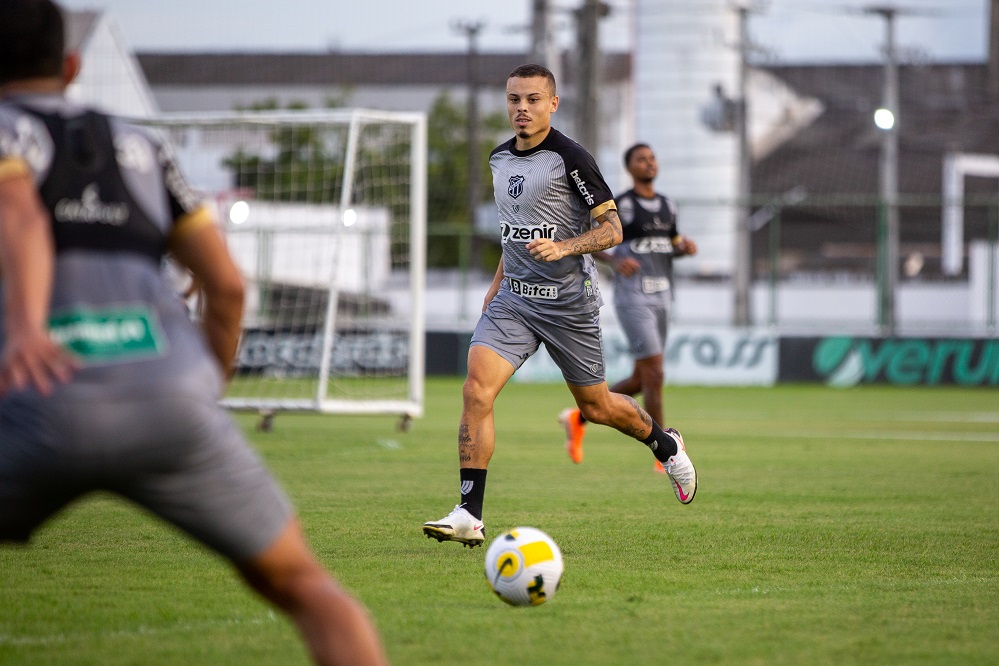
(554, 103)
(70, 67)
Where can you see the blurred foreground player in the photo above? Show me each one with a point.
(104, 381)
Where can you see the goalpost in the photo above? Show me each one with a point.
(325, 214)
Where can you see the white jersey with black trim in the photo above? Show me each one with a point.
(553, 190)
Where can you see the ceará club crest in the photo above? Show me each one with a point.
(516, 187)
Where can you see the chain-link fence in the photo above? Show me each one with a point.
(818, 264)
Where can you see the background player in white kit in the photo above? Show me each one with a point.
(643, 288)
(555, 209)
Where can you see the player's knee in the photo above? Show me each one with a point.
(283, 568)
(288, 583)
(304, 582)
(595, 412)
(475, 395)
(650, 372)
(652, 378)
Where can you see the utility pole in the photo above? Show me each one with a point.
(889, 171)
(743, 274)
(993, 66)
(471, 30)
(544, 48)
(587, 23)
(724, 114)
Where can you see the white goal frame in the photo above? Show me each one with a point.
(356, 119)
(955, 167)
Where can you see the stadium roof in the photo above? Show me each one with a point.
(208, 69)
(943, 108)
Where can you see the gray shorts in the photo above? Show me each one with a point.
(181, 458)
(645, 326)
(515, 332)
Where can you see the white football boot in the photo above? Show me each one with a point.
(459, 525)
(681, 472)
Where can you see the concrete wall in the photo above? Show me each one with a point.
(454, 303)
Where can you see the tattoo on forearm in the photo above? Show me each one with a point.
(613, 220)
(602, 237)
(464, 443)
(637, 433)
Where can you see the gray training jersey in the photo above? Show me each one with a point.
(553, 190)
(649, 226)
(140, 417)
(112, 212)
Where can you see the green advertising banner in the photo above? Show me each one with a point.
(847, 361)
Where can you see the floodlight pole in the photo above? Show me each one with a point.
(889, 176)
(471, 30)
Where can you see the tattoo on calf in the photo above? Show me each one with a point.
(631, 430)
(464, 443)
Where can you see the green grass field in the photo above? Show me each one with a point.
(854, 526)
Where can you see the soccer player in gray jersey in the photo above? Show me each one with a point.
(105, 383)
(643, 288)
(555, 210)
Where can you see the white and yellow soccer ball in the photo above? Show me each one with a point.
(524, 566)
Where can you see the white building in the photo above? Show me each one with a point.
(110, 77)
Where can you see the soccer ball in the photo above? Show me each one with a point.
(524, 566)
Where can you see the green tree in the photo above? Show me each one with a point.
(448, 175)
(305, 164)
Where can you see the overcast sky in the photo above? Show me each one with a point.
(789, 30)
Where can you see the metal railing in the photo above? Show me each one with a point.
(818, 263)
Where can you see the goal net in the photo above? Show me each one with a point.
(325, 214)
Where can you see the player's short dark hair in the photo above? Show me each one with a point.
(533, 70)
(32, 38)
(631, 151)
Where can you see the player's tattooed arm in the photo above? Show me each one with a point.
(605, 234)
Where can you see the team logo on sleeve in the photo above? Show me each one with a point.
(29, 141)
(516, 186)
(134, 153)
(188, 198)
(581, 186)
